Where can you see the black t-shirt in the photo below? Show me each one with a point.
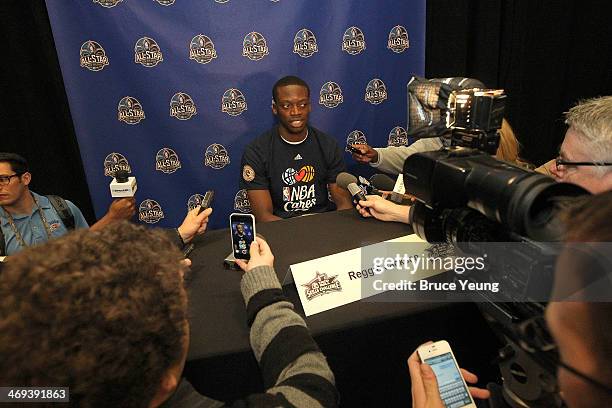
(296, 175)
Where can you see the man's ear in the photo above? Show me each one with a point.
(166, 388)
(274, 109)
(26, 178)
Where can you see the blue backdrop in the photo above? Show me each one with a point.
(174, 90)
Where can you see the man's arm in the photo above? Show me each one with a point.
(261, 204)
(341, 197)
(120, 209)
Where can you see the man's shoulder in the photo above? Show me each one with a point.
(322, 136)
(265, 138)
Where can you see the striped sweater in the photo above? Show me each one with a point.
(294, 370)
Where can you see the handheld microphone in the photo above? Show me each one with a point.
(123, 185)
(386, 183)
(349, 182)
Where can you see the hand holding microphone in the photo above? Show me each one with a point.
(349, 182)
(384, 210)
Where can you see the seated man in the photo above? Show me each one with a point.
(105, 314)
(289, 169)
(585, 156)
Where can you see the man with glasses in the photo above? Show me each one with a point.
(585, 156)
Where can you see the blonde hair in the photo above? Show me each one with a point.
(508, 149)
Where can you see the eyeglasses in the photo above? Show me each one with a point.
(5, 180)
(559, 161)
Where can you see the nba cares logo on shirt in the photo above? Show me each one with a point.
(305, 175)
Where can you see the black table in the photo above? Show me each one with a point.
(217, 311)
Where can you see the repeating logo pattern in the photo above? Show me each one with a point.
(398, 39)
(320, 285)
(398, 137)
(330, 95)
(150, 211)
(305, 43)
(115, 161)
(167, 161)
(166, 2)
(254, 46)
(147, 53)
(182, 106)
(130, 110)
(216, 156)
(221, 1)
(93, 56)
(233, 102)
(353, 41)
(376, 91)
(202, 49)
(194, 201)
(241, 202)
(355, 137)
(107, 3)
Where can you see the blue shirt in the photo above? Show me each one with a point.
(31, 227)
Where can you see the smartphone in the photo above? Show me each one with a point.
(352, 149)
(453, 389)
(242, 229)
(206, 201)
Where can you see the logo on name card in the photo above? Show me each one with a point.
(398, 39)
(194, 201)
(130, 110)
(107, 3)
(150, 211)
(202, 49)
(330, 95)
(216, 156)
(353, 41)
(167, 161)
(376, 91)
(398, 137)
(241, 202)
(114, 162)
(355, 137)
(233, 102)
(320, 285)
(93, 56)
(254, 46)
(305, 43)
(182, 106)
(147, 53)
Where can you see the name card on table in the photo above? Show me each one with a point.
(335, 280)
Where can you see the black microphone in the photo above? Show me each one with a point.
(382, 182)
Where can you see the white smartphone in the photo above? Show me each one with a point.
(242, 229)
(453, 389)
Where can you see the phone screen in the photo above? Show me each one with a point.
(450, 383)
(243, 233)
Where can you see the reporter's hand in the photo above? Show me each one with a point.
(194, 224)
(261, 254)
(366, 154)
(383, 210)
(122, 208)
(425, 392)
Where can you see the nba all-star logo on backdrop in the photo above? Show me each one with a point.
(216, 156)
(398, 137)
(182, 106)
(299, 197)
(115, 161)
(355, 137)
(320, 285)
(107, 3)
(353, 41)
(305, 43)
(254, 46)
(376, 91)
(330, 95)
(233, 102)
(150, 211)
(93, 56)
(241, 202)
(130, 110)
(194, 201)
(202, 49)
(166, 2)
(398, 39)
(147, 53)
(167, 161)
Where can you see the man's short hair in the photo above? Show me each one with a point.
(592, 118)
(103, 313)
(18, 164)
(288, 80)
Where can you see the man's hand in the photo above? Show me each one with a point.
(261, 254)
(366, 154)
(383, 210)
(425, 392)
(194, 224)
(122, 209)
